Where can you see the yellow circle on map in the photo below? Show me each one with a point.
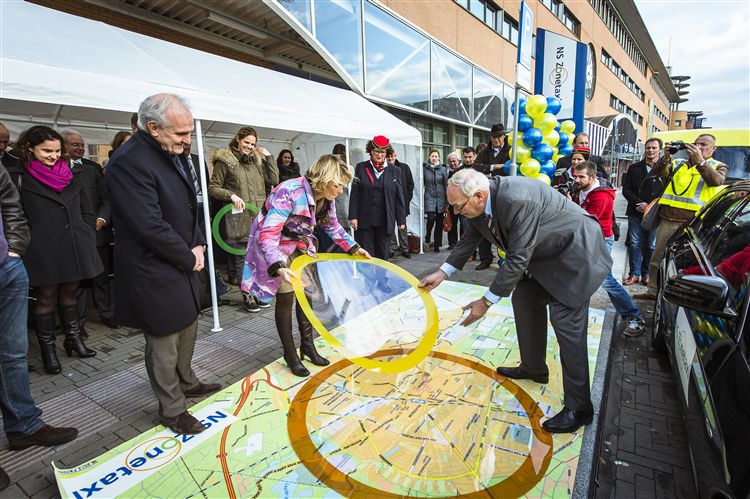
(316, 460)
(397, 365)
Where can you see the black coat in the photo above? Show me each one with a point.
(407, 185)
(488, 158)
(640, 187)
(288, 172)
(63, 244)
(91, 176)
(154, 210)
(360, 199)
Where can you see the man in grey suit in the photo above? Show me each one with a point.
(545, 236)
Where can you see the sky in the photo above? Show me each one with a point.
(710, 41)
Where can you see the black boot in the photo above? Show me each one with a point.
(283, 315)
(45, 333)
(72, 328)
(307, 345)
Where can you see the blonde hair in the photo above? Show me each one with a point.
(328, 170)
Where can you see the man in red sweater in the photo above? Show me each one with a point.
(596, 197)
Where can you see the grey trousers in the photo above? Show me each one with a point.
(664, 232)
(168, 365)
(530, 302)
(402, 243)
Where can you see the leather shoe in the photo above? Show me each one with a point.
(4, 479)
(183, 424)
(46, 435)
(568, 420)
(633, 279)
(519, 373)
(406, 254)
(202, 389)
(483, 265)
(644, 281)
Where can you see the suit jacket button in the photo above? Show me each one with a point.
(67, 226)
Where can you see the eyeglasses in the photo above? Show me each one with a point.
(457, 209)
(377, 152)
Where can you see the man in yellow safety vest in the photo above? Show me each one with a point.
(694, 181)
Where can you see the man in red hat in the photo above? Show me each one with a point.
(376, 203)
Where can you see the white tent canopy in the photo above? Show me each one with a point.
(68, 71)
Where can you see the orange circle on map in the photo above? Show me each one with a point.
(517, 484)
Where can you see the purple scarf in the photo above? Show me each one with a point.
(56, 178)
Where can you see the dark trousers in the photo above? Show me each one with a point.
(453, 233)
(435, 220)
(485, 251)
(169, 371)
(102, 288)
(530, 304)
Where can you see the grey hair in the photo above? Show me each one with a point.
(452, 155)
(469, 181)
(67, 132)
(154, 108)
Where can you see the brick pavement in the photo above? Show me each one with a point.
(642, 440)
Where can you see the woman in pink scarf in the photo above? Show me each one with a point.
(62, 251)
(284, 229)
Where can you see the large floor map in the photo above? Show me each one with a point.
(448, 427)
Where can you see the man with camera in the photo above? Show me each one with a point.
(692, 183)
(534, 225)
(596, 197)
(640, 186)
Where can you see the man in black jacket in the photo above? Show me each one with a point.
(497, 153)
(407, 185)
(159, 252)
(7, 159)
(21, 417)
(91, 176)
(640, 187)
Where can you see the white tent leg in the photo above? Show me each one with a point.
(421, 204)
(207, 222)
(351, 231)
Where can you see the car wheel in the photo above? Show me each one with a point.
(657, 331)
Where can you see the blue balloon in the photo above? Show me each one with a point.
(525, 122)
(557, 127)
(564, 138)
(532, 137)
(553, 105)
(506, 167)
(521, 105)
(566, 150)
(548, 168)
(543, 153)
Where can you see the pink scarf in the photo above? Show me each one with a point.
(56, 178)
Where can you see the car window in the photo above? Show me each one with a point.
(730, 253)
(737, 159)
(711, 220)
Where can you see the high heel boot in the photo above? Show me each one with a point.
(45, 332)
(72, 328)
(283, 316)
(307, 345)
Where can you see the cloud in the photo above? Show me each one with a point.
(710, 43)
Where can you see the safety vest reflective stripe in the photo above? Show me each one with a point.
(687, 189)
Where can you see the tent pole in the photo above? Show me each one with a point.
(351, 231)
(207, 222)
(421, 204)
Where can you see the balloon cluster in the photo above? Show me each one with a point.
(540, 140)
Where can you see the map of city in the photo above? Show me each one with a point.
(448, 427)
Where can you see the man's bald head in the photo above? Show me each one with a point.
(4, 138)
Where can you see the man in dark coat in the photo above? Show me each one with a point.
(91, 177)
(640, 186)
(533, 224)
(7, 159)
(159, 252)
(497, 153)
(407, 187)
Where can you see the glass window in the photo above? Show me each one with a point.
(477, 8)
(731, 252)
(398, 60)
(300, 9)
(337, 27)
(451, 85)
(712, 221)
(462, 137)
(481, 136)
(463, 3)
(488, 99)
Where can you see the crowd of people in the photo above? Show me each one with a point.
(62, 215)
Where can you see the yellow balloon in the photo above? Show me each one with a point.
(530, 167)
(544, 178)
(545, 123)
(551, 138)
(522, 152)
(556, 157)
(567, 126)
(510, 138)
(536, 105)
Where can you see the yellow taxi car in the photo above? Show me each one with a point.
(732, 148)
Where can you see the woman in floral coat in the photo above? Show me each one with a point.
(283, 230)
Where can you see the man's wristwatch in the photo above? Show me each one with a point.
(486, 301)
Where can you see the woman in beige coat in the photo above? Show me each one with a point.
(241, 173)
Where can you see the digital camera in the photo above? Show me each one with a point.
(675, 146)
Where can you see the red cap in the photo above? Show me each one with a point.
(582, 150)
(380, 141)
